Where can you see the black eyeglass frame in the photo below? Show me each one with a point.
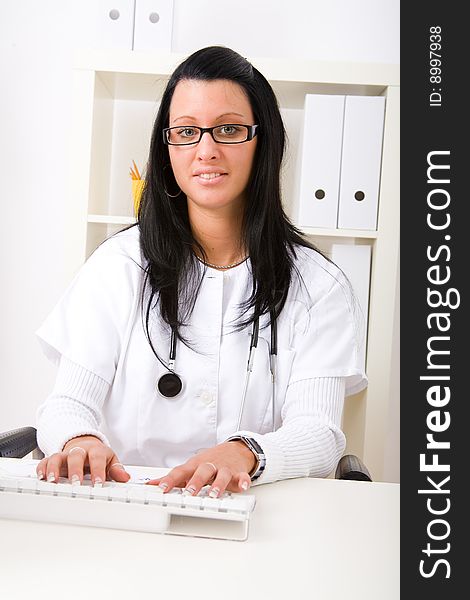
(251, 132)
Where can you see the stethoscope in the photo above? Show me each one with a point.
(170, 384)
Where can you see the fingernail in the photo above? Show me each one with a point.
(245, 485)
(189, 491)
(51, 477)
(214, 493)
(40, 474)
(75, 480)
(163, 485)
(98, 482)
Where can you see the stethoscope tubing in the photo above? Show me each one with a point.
(175, 379)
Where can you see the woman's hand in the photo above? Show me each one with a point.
(82, 453)
(224, 467)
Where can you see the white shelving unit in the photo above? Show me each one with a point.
(117, 95)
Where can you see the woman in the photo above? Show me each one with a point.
(167, 338)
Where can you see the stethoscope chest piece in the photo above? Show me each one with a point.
(169, 385)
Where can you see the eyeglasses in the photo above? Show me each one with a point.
(230, 133)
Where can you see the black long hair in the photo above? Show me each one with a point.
(173, 275)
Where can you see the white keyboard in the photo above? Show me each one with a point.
(130, 506)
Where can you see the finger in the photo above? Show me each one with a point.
(164, 485)
(154, 481)
(97, 461)
(220, 483)
(244, 482)
(53, 467)
(177, 477)
(203, 475)
(41, 468)
(240, 483)
(76, 458)
(116, 470)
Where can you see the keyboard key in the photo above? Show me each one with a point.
(173, 498)
(155, 494)
(138, 494)
(211, 504)
(81, 491)
(234, 504)
(195, 502)
(118, 493)
(45, 487)
(100, 493)
(28, 485)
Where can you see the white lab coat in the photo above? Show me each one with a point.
(97, 324)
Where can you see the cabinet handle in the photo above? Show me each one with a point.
(154, 17)
(114, 14)
(319, 194)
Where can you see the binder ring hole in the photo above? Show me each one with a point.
(114, 14)
(319, 194)
(359, 196)
(154, 17)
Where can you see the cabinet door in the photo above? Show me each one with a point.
(153, 25)
(105, 24)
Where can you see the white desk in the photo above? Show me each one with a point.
(309, 538)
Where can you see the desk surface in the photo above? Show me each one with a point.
(312, 538)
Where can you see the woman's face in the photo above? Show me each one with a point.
(213, 176)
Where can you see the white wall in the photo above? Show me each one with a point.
(36, 44)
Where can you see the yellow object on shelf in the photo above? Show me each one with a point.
(137, 189)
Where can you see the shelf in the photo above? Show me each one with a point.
(349, 233)
(314, 231)
(275, 69)
(111, 219)
(130, 75)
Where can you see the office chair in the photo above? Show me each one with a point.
(17, 443)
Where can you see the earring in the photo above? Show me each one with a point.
(165, 187)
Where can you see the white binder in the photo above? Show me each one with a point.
(153, 25)
(361, 162)
(354, 260)
(321, 160)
